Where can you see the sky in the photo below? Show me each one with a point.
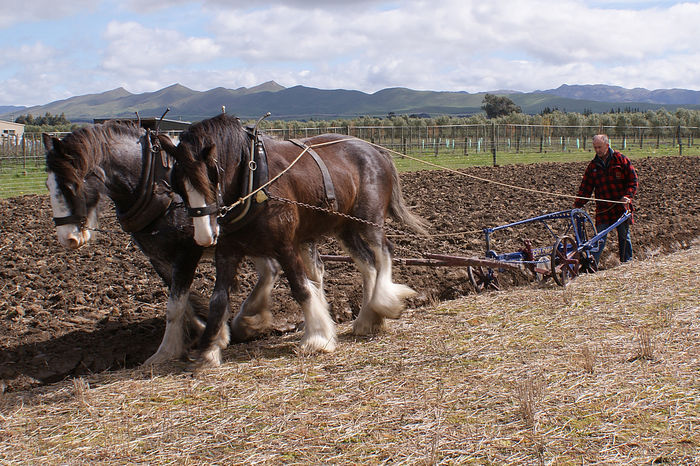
(56, 50)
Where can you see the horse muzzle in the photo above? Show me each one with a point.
(72, 238)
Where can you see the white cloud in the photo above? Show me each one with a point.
(21, 11)
(135, 48)
(368, 45)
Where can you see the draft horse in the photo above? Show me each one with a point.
(121, 160)
(347, 195)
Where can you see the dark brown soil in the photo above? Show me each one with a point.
(66, 313)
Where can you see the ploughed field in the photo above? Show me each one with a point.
(67, 313)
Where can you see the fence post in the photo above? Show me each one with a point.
(680, 141)
(493, 143)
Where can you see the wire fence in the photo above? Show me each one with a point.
(455, 146)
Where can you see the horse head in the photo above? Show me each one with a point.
(74, 186)
(196, 179)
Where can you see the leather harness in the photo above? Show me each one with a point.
(256, 175)
(154, 193)
(327, 180)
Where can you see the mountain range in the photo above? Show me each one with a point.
(303, 103)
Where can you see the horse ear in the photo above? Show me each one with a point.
(166, 143)
(50, 142)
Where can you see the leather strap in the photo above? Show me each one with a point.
(151, 202)
(327, 181)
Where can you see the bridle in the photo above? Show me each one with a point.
(79, 215)
(254, 162)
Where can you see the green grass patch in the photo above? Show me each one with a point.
(17, 179)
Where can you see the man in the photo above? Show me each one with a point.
(612, 176)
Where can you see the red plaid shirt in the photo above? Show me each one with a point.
(611, 181)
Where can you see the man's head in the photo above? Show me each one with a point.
(601, 144)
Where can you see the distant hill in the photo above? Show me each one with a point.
(300, 102)
(9, 110)
(603, 93)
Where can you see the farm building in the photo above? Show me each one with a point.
(11, 132)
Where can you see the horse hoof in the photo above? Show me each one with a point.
(158, 359)
(319, 344)
(203, 359)
(361, 328)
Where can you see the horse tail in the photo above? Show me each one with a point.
(398, 208)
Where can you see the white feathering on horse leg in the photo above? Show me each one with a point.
(319, 328)
(173, 344)
(367, 321)
(211, 357)
(388, 297)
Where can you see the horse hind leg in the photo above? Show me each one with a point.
(319, 328)
(254, 316)
(368, 321)
(388, 297)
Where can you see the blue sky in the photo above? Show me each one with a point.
(56, 50)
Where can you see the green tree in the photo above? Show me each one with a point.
(496, 106)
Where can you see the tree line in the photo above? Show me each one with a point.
(46, 122)
(622, 120)
(502, 111)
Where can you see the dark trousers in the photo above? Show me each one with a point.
(623, 238)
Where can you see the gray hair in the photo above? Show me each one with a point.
(602, 138)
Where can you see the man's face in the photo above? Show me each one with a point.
(601, 148)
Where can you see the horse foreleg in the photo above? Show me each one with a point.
(313, 265)
(180, 316)
(216, 333)
(319, 328)
(255, 316)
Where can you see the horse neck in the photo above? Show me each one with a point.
(122, 163)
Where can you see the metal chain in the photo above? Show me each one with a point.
(325, 210)
(355, 219)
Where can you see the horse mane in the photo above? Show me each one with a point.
(226, 134)
(224, 131)
(84, 148)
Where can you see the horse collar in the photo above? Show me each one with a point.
(153, 194)
(255, 174)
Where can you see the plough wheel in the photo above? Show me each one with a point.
(565, 260)
(482, 278)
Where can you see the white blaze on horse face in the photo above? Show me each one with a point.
(204, 235)
(70, 236)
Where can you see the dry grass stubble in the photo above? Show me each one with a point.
(606, 370)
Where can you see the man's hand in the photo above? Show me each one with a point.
(627, 201)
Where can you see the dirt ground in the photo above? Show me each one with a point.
(67, 313)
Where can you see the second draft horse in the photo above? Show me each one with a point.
(348, 194)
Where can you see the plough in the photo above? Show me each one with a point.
(571, 254)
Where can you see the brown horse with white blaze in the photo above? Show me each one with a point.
(210, 164)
